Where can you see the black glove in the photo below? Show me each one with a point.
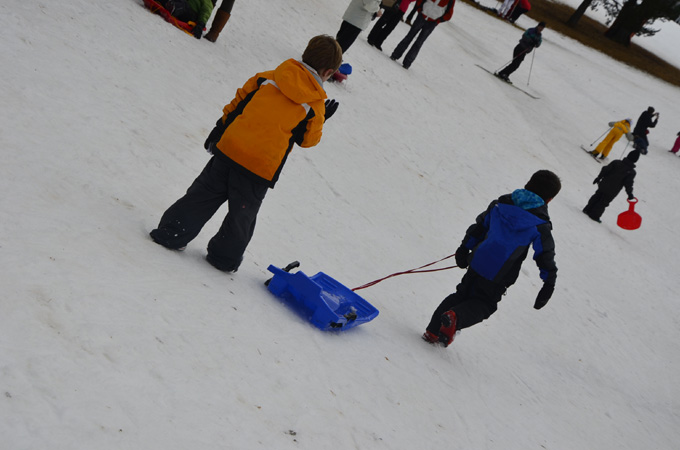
(198, 30)
(631, 197)
(544, 295)
(597, 180)
(215, 135)
(331, 107)
(462, 257)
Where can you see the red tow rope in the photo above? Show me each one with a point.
(416, 270)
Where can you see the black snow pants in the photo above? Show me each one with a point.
(475, 299)
(346, 36)
(218, 183)
(599, 201)
(518, 55)
(384, 26)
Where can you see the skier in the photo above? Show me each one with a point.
(197, 11)
(250, 144)
(355, 20)
(618, 129)
(531, 39)
(613, 177)
(648, 119)
(221, 18)
(387, 23)
(493, 250)
(431, 14)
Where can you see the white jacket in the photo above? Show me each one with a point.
(434, 9)
(360, 12)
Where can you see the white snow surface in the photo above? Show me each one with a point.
(109, 341)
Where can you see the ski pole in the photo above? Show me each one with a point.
(416, 270)
(601, 136)
(531, 67)
(624, 150)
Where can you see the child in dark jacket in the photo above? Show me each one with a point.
(493, 250)
(613, 177)
(250, 144)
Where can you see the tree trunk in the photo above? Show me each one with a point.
(629, 22)
(573, 20)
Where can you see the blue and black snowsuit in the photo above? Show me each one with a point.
(499, 242)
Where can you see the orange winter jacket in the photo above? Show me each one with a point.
(271, 112)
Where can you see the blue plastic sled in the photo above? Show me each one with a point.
(327, 304)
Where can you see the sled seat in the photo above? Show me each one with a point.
(321, 300)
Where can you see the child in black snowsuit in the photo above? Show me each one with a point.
(493, 250)
(613, 177)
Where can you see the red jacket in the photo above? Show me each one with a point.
(403, 6)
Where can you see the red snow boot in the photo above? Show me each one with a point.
(430, 337)
(448, 329)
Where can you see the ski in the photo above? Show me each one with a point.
(590, 152)
(508, 82)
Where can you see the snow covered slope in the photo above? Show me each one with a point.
(108, 341)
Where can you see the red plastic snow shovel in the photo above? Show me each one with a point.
(630, 220)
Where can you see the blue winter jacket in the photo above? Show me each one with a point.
(501, 236)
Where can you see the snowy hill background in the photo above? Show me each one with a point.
(108, 341)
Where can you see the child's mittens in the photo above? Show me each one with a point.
(462, 257)
(544, 295)
(331, 107)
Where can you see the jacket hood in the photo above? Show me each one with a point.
(515, 218)
(521, 210)
(526, 199)
(297, 83)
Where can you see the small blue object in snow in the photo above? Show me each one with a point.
(327, 304)
(345, 69)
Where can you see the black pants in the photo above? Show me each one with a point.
(518, 55)
(384, 26)
(516, 13)
(599, 202)
(475, 299)
(180, 10)
(218, 182)
(423, 29)
(347, 34)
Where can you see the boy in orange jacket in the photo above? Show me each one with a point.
(250, 144)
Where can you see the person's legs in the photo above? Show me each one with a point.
(609, 146)
(347, 34)
(425, 32)
(182, 222)
(221, 18)
(676, 146)
(226, 248)
(475, 300)
(606, 142)
(384, 26)
(403, 45)
(518, 55)
(598, 203)
(181, 10)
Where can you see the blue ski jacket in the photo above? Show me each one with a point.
(500, 238)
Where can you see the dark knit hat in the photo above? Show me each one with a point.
(633, 156)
